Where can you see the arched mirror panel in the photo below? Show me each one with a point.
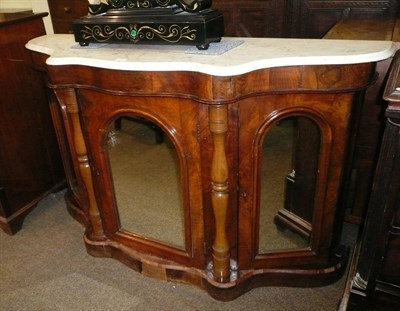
(289, 167)
(147, 179)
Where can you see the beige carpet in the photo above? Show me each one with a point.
(45, 266)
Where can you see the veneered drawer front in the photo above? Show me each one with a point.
(63, 12)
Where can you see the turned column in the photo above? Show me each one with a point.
(218, 123)
(68, 98)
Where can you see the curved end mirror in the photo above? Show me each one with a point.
(289, 156)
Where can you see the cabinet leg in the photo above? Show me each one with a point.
(219, 192)
(68, 96)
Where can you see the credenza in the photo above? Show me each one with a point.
(232, 118)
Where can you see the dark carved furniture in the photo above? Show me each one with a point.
(216, 111)
(369, 130)
(30, 163)
(374, 278)
(261, 18)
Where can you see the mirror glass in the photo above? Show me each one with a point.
(146, 175)
(290, 152)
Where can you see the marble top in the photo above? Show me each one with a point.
(251, 54)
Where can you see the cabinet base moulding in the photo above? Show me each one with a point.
(246, 280)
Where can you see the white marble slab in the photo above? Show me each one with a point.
(252, 54)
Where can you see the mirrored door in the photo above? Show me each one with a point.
(147, 181)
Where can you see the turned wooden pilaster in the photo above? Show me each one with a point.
(218, 123)
(68, 97)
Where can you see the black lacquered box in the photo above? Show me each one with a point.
(170, 25)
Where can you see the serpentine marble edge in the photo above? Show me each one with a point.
(253, 54)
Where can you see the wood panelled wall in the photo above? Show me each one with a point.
(262, 18)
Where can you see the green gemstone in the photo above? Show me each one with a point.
(133, 33)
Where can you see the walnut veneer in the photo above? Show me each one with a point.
(217, 124)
